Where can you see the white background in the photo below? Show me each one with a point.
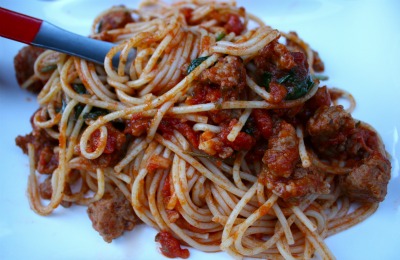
(359, 42)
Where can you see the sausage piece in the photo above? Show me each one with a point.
(368, 182)
(282, 154)
(114, 20)
(329, 129)
(23, 65)
(112, 215)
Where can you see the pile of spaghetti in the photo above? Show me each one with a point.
(213, 128)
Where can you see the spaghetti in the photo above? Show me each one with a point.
(216, 133)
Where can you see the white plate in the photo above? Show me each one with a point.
(360, 44)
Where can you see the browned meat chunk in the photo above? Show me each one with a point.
(329, 129)
(112, 215)
(282, 154)
(283, 73)
(46, 160)
(168, 125)
(368, 182)
(46, 191)
(318, 64)
(263, 122)
(137, 125)
(23, 64)
(116, 145)
(229, 73)
(222, 82)
(114, 20)
(274, 56)
(328, 121)
(218, 144)
(213, 94)
(302, 182)
(282, 169)
(321, 98)
(231, 22)
(362, 142)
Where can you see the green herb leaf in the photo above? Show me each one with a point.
(99, 26)
(78, 110)
(320, 77)
(62, 108)
(48, 68)
(95, 113)
(249, 129)
(195, 63)
(266, 80)
(284, 79)
(79, 88)
(300, 89)
(194, 154)
(220, 36)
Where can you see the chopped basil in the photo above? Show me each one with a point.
(48, 68)
(218, 104)
(78, 110)
(284, 78)
(62, 108)
(95, 113)
(266, 80)
(79, 88)
(195, 63)
(249, 128)
(100, 24)
(220, 36)
(194, 154)
(296, 87)
(299, 89)
(320, 77)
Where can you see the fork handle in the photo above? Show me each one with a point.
(33, 31)
(18, 27)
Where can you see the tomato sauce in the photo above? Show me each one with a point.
(170, 246)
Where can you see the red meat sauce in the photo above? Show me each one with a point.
(225, 81)
(158, 162)
(46, 160)
(269, 135)
(318, 64)
(167, 126)
(243, 141)
(23, 65)
(280, 70)
(282, 154)
(231, 22)
(187, 13)
(335, 135)
(170, 246)
(115, 147)
(113, 20)
(46, 190)
(234, 24)
(115, 140)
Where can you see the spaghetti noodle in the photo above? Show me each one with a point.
(217, 133)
